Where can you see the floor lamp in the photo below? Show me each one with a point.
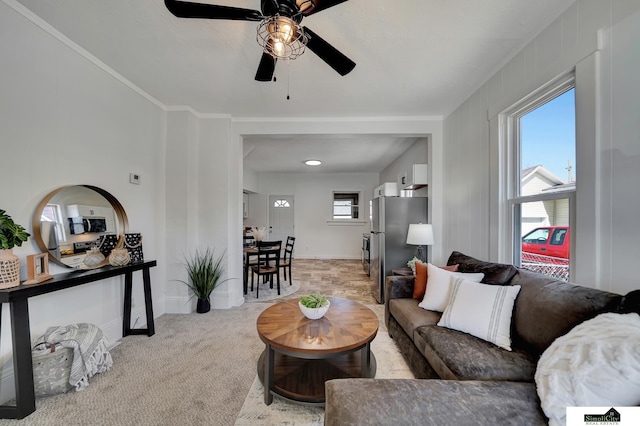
(420, 234)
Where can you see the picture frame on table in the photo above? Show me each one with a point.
(38, 268)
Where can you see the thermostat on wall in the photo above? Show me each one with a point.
(134, 178)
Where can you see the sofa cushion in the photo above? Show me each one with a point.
(494, 273)
(459, 356)
(410, 316)
(547, 309)
(431, 402)
(420, 368)
(481, 310)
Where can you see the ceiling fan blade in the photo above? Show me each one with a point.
(185, 9)
(266, 68)
(322, 5)
(328, 53)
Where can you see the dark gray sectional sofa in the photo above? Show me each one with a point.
(472, 381)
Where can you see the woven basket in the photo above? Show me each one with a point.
(51, 369)
(9, 269)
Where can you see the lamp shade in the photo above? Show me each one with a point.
(420, 234)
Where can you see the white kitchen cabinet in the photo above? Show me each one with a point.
(387, 189)
(415, 178)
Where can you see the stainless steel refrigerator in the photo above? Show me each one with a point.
(390, 219)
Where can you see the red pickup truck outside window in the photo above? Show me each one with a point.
(550, 241)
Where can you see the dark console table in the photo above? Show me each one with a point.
(21, 336)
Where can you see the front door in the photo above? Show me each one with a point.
(280, 217)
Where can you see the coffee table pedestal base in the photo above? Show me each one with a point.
(302, 380)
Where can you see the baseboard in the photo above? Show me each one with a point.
(179, 304)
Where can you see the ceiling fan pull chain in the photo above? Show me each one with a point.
(288, 78)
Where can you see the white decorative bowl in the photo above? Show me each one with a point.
(314, 313)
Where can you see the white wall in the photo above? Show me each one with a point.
(313, 201)
(199, 211)
(66, 121)
(249, 180)
(418, 153)
(607, 96)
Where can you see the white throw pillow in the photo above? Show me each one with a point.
(482, 310)
(436, 296)
(596, 364)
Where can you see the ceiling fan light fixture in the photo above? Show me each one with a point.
(281, 37)
(304, 5)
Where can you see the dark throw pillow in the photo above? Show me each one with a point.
(494, 273)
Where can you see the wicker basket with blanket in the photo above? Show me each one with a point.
(79, 351)
(51, 369)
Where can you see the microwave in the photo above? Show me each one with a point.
(83, 225)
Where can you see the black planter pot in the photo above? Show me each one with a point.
(203, 306)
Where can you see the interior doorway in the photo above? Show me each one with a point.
(280, 217)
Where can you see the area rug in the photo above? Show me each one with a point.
(390, 365)
(266, 294)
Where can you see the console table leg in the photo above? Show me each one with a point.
(126, 315)
(268, 375)
(22, 362)
(148, 303)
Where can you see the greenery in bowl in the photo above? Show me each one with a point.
(205, 272)
(412, 263)
(11, 234)
(314, 301)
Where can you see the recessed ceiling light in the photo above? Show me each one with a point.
(313, 162)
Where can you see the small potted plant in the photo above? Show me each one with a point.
(314, 306)
(11, 235)
(205, 272)
(412, 264)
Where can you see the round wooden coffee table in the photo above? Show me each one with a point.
(301, 354)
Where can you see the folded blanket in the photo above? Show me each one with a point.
(90, 353)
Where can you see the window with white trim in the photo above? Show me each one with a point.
(281, 204)
(541, 181)
(346, 205)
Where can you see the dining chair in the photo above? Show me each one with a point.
(286, 261)
(268, 264)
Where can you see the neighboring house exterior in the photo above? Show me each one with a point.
(535, 180)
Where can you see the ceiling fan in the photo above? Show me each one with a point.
(279, 32)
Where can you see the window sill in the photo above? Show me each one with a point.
(346, 222)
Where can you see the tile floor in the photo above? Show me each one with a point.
(338, 278)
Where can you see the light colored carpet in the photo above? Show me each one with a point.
(196, 370)
(267, 294)
(199, 368)
(390, 365)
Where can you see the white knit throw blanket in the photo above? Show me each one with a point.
(90, 353)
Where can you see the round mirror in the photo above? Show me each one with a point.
(71, 219)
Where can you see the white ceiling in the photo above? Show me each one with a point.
(339, 154)
(414, 57)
